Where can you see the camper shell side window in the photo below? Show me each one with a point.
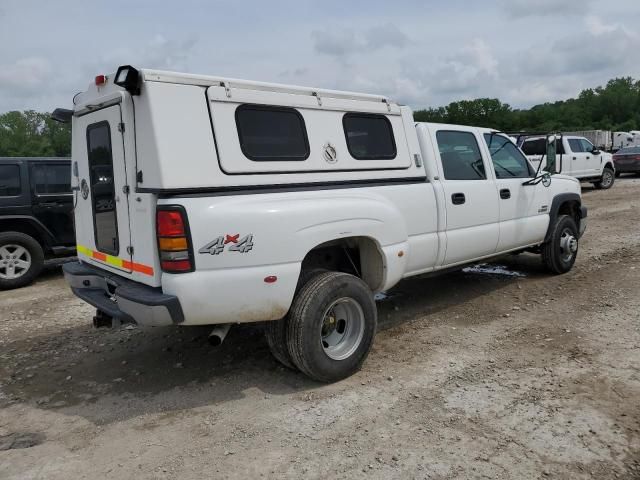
(272, 133)
(369, 136)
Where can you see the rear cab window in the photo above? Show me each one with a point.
(10, 185)
(460, 155)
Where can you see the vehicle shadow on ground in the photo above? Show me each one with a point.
(110, 375)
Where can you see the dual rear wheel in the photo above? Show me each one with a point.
(329, 329)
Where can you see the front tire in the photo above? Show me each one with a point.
(332, 323)
(560, 252)
(607, 180)
(21, 260)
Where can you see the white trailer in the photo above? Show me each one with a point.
(602, 139)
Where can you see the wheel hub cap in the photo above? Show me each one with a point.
(568, 245)
(342, 328)
(15, 261)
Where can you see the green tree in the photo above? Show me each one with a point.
(615, 106)
(33, 134)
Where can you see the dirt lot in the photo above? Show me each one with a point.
(473, 375)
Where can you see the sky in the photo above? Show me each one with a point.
(420, 53)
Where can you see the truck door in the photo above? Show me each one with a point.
(524, 209)
(593, 162)
(471, 197)
(577, 158)
(102, 210)
(52, 199)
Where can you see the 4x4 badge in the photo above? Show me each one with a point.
(236, 244)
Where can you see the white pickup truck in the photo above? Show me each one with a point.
(205, 200)
(576, 156)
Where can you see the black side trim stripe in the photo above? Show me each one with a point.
(288, 187)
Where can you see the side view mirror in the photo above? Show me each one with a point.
(595, 151)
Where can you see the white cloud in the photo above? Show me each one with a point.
(340, 43)
(25, 75)
(543, 8)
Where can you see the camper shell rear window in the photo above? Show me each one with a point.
(369, 136)
(271, 134)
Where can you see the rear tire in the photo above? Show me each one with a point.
(560, 252)
(607, 180)
(332, 323)
(276, 334)
(276, 331)
(21, 260)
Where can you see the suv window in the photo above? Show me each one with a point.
(102, 188)
(508, 161)
(461, 157)
(369, 137)
(52, 178)
(272, 134)
(9, 180)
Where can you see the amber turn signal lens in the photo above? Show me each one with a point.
(173, 244)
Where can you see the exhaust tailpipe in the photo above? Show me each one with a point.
(218, 334)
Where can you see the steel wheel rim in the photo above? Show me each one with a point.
(607, 178)
(342, 328)
(15, 261)
(568, 245)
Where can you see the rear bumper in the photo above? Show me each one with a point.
(122, 299)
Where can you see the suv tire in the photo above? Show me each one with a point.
(21, 259)
(560, 252)
(607, 180)
(332, 323)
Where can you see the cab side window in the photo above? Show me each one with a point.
(508, 161)
(576, 145)
(461, 157)
(587, 146)
(9, 180)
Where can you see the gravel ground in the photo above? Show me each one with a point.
(495, 372)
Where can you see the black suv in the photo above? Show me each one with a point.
(36, 216)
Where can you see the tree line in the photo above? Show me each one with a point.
(615, 106)
(33, 134)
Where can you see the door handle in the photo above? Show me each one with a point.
(505, 193)
(575, 158)
(458, 198)
(49, 204)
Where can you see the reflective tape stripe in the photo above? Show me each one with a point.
(115, 261)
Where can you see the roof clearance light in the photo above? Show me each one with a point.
(101, 80)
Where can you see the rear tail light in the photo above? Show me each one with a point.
(174, 243)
